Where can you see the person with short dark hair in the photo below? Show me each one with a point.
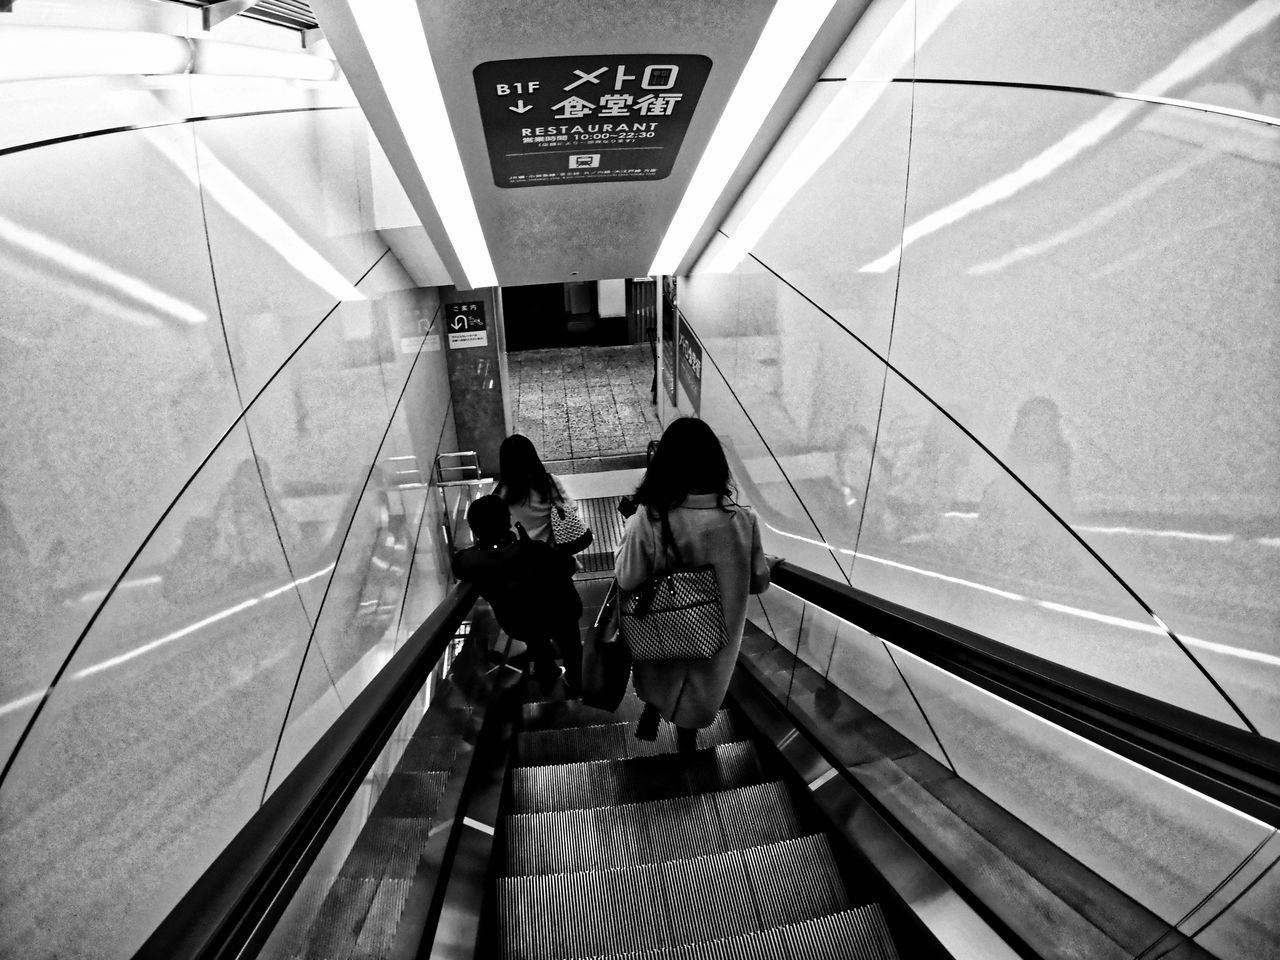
(530, 587)
(687, 485)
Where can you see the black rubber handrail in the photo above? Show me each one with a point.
(233, 906)
(1238, 768)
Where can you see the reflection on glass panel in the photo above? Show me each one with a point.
(1164, 845)
(355, 631)
(863, 668)
(784, 615)
(785, 528)
(842, 214)
(317, 428)
(285, 231)
(1217, 52)
(115, 382)
(962, 541)
(815, 642)
(1250, 927)
(1093, 294)
(154, 747)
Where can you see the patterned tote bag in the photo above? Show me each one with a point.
(676, 615)
(569, 532)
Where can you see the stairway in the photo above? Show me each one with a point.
(616, 849)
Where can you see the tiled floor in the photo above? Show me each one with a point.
(584, 401)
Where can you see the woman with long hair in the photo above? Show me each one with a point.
(687, 488)
(527, 487)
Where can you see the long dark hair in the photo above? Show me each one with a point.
(689, 457)
(520, 471)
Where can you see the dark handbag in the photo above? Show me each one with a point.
(569, 532)
(676, 615)
(606, 661)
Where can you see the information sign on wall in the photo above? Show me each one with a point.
(585, 119)
(669, 337)
(690, 366)
(465, 324)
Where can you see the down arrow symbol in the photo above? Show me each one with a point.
(521, 106)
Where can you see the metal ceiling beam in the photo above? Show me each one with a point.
(216, 13)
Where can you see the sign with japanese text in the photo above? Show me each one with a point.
(669, 337)
(689, 368)
(585, 119)
(465, 324)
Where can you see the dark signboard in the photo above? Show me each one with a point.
(669, 337)
(690, 366)
(465, 324)
(586, 119)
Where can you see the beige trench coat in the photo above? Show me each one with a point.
(689, 692)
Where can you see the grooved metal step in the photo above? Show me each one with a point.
(608, 783)
(858, 934)
(558, 714)
(613, 740)
(653, 906)
(602, 837)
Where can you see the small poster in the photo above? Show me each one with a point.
(465, 324)
(690, 366)
(585, 119)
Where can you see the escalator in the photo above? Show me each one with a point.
(518, 824)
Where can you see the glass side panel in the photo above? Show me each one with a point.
(1212, 52)
(952, 535)
(1164, 845)
(785, 527)
(154, 747)
(1089, 285)
(278, 193)
(1250, 926)
(115, 382)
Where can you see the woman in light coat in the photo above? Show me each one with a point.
(688, 482)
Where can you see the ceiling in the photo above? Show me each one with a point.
(586, 229)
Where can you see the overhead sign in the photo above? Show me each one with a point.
(585, 119)
(465, 324)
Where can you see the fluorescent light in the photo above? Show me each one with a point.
(393, 34)
(40, 53)
(239, 59)
(786, 36)
(1192, 61)
(798, 158)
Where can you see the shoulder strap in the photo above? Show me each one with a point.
(669, 540)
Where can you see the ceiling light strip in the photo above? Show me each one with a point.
(790, 29)
(393, 35)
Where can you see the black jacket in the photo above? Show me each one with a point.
(528, 583)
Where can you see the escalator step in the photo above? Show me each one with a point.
(414, 794)
(753, 816)
(428, 753)
(607, 741)
(607, 783)
(603, 837)
(387, 847)
(580, 914)
(603, 912)
(378, 933)
(709, 898)
(858, 934)
(558, 714)
(795, 880)
(336, 926)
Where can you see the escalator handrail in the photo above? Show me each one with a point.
(1229, 764)
(234, 903)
